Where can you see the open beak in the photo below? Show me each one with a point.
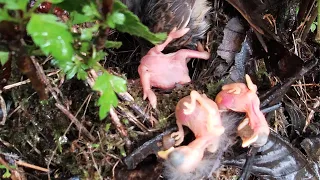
(165, 154)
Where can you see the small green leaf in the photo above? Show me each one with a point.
(118, 18)
(96, 56)
(71, 5)
(85, 46)
(107, 128)
(15, 4)
(95, 145)
(107, 84)
(313, 26)
(4, 15)
(77, 18)
(7, 174)
(133, 26)
(55, 1)
(51, 36)
(87, 33)
(115, 18)
(91, 11)
(82, 74)
(4, 56)
(118, 84)
(72, 72)
(107, 100)
(113, 44)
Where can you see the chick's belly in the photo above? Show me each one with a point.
(167, 80)
(196, 121)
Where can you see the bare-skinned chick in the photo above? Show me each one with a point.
(166, 70)
(201, 115)
(240, 97)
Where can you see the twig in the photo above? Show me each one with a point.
(136, 108)
(7, 87)
(132, 118)
(25, 164)
(4, 110)
(95, 164)
(55, 150)
(75, 121)
(117, 123)
(311, 114)
(113, 168)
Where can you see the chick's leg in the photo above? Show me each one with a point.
(145, 81)
(179, 135)
(183, 54)
(259, 127)
(174, 34)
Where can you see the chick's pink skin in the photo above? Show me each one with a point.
(166, 70)
(240, 97)
(187, 158)
(201, 115)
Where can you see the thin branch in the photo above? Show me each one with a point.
(75, 121)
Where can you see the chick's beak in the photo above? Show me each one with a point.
(165, 154)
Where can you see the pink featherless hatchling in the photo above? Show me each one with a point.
(166, 70)
(201, 115)
(239, 97)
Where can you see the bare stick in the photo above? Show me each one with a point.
(4, 110)
(75, 121)
(25, 164)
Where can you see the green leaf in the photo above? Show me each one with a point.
(85, 46)
(15, 4)
(107, 128)
(96, 56)
(115, 18)
(55, 1)
(72, 72)
(113, 44)
(107, 84)
(313, 26)
(4, 15)
(7, 173)
(91, 11)
(82, 74)
(71, 5)
(51, 36)
(118, 84)
(107, 100)
(133, 26)
(77, 18)
(4, 57)
(87, 33)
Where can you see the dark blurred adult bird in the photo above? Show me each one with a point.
(164, 15)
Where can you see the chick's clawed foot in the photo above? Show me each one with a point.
(152, 98)
(256, 136)
(178, 136)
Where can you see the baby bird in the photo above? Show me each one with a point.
(166, 70)
(201, 115)
(164, 15)
(240, 97)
